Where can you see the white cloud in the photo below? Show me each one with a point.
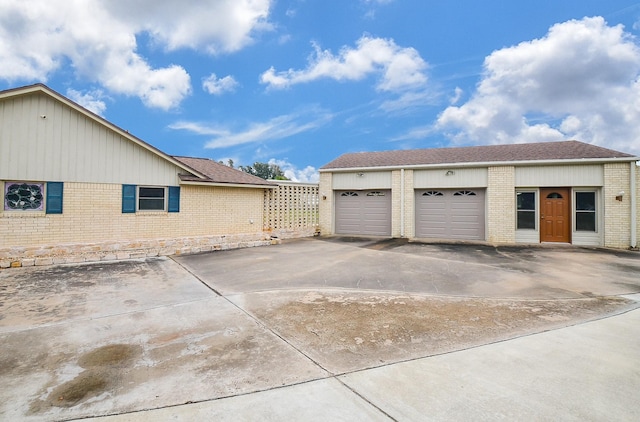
(279, 127)
(308, 174)
(98, 38)
(92, 100)
(580, 80)
(399, 68)
(218, 86)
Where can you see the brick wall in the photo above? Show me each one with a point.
(93, 227)
(617, 214)
(409, 205)
(326, 203)
(501, 205)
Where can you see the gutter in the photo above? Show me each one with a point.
(227, 185)
(484, 164)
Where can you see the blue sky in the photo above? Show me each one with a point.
(300, 82)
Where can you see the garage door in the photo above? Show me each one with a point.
(450, 214)
(363, 212)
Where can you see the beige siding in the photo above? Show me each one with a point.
(93, 213)
(577, 175)
(362, 180)
(68, 146)
(451, 178)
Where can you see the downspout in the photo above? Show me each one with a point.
(634, 205)
(401, 202)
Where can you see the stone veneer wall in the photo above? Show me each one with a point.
(501, 205)
(92, 226)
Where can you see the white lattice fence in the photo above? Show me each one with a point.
(291, 209)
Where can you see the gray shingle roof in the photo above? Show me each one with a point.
(218, 173)
(543, 151)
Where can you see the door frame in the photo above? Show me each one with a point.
(545, 236)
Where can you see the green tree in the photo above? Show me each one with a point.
(265, 171)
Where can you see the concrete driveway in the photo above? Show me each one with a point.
(326, 329)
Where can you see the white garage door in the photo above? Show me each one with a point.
(363, 212)
(450, 214)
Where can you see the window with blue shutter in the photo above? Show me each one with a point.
(174, 199)
(54, 197)
(129, 198)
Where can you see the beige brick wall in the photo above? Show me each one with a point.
(93, 216)
(409, 205)
(396, 200)
(326, 204)
(501, 205)
(637, 170)
(617, 214)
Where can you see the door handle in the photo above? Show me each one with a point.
(542, 217)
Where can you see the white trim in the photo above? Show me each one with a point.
(485, 164)
(227, 185)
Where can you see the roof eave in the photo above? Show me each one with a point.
(484, 164)
(227, 185)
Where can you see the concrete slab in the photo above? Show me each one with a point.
(323, 400)
(398, 266)
(148, 338)
(347, 331)
(588, 372)
(163, 356)
(34, 296)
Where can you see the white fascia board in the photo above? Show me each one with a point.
(486, 164)
(227, 185)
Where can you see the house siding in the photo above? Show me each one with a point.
(68, 146)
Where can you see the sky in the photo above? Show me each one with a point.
(298, 83)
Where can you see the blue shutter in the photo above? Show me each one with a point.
(54, 197)
(174, 199)
(128, 198)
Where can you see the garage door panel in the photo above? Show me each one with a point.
(363, 212)
(450, 214)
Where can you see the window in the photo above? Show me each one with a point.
(33, 196)
(432, 193)
(375, 193)
(586, 211)
(464, 193)
(349, 194)
(526, 210)
(150, 198)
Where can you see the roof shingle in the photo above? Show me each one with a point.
(218, 173)
(543, 151)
